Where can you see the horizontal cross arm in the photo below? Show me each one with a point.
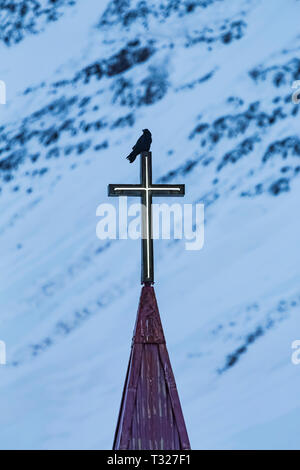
(124, 190)
(167, 189)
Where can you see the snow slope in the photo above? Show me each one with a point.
(212, 80)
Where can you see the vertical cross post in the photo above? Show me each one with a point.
(147, 268)
(146, 190)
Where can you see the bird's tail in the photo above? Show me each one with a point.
(131, 157)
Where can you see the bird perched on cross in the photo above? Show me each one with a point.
(142, 145)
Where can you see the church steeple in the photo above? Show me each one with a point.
(150, 416)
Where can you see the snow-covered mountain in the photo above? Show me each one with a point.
(212, 80)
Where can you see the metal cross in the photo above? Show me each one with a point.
(146, 190)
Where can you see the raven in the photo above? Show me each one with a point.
(142, 145)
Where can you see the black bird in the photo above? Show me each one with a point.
(142, 145)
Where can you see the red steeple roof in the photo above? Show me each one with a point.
(150, 415)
